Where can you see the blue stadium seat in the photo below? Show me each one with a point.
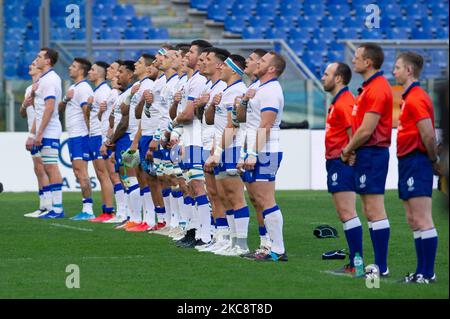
(239, 8)
(253, 33)
(111, 34)
(442, 33)
(201, 5)
(429, 23)
(296, 46)
(102, 9)
(353, 22)
(266, 9)
(32, 34)
(260, 21)
(233, 24)
(10, 70)
(30, 46)
(309, 22)
(340, 10)
(439, 57)
(415, 9)
(135, 34)
(11, 57)
(402, 22)
(398, 33)
(123, 10)
(300, 34)
(371, 34)
(337, 46)
(114, 22)
(216, 13)
(15, 21)
(31, 9)
(324, 34)
(348, 33)
(273, 33)
(290, 8)
(158, 33)
(336, 56)
(439, 9)
(334, 22)
(14, 34)
(421, 33)
(80, 34)
(60, 34)
(141, 22)
(317, 9)
(317, 45)
(285, 21)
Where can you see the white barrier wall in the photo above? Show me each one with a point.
(303, 165)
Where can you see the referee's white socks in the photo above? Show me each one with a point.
(274, 224)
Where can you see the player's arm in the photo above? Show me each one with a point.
(174, 107)
(139, 108)
(86, 107)
(268, 118)
(48, 111)
(134, 146)
(31, 137)
(362, 134)
(187, 115)
(210, 111)
(123, 124)
(428, 137)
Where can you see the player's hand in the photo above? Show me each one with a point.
(29, 143)
(134, 146)
(352, 159)
(178, 96)
(103, 150)
(103, 106)
(216, 100)
(113, 157)
(211, 162)
(149, 155)
(153, 145)
(250, 163)
(34, 87)
(90, 100)
(28, 101)
(204, 99)
(69, 95)
(237, 101)
(438, 170)
(250, 94)
(38, 139)
(240, 166)
(345, 156)
(135, 88)
(148, 96)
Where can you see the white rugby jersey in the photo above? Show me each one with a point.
(208, 131)
(226, 105)
(101, 94)
(242, 131)
(181, 86)
(192, 134)
(268, 97)
(30, 109)
(117, 112)
(75, 123)
(167, 94)
(49, 87)
(110, 103)
(151, 113)
(133, 125)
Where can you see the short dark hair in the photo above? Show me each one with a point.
(201, 44)
(413, 59)
(344, 71)
(184, 49)
(221, 54)
(260, 52)
(129, 65)
(178, 46)
(278, 62)
(373, 52)
(148, 58)
(84, 63)
(51, 54)
(118, 61)
(239, 60)
(103, 65)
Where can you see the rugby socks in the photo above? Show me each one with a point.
(204, 218)
(175, 206)
(232, 225)
(274, 224)
(160, 214)
(134, 200)
(369, 224)
(56, 190)
(241, 220)
(47, 193)
(429, 248)
(87, 206)
(419, 251)
(148, 208)
(264, 240)
(381, 234)
(119, 194)
(186, 211)
(166, 198)
(353, 233)
(41, 199)
(195, 222)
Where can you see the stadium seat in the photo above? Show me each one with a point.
(260, 21)
(273, 33)
(114, 22)
(253, 33)
(102, 9)
(158, 33)
(439, 9)
(123, 10)
(336, 56)
(371, 34)
(233, 24)
(111, 34)
(415, 9)
(284, 22)
(324, 34)
(135, 34)
(442, 33)
(318, 44)
(334, 22)
(201, 5)
(348, 33)
(421, 33)
(353, 22)
(290, 8)
(80, 34)
(336, 46)
(216, 13)
(296, 46)
(309, 22)
(300, 34)
(429, 23)
(398, 33)
(141, 22)
(340, 10)
(11, 71)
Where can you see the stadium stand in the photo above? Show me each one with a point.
(295, 21)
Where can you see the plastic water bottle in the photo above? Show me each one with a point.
(359, 265)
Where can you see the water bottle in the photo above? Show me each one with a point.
(359, 265)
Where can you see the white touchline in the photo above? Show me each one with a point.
(71, 227)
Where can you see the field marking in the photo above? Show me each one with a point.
(382, 280)
(113, 257)
(71, 227)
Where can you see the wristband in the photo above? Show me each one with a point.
(65, 99)
(244, 103)
(31, 135)
(218, 151)
(170, 127)
(243, 154)
(157, 135)
(127, 100)
(252, 153)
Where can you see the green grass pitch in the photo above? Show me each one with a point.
(116, 264)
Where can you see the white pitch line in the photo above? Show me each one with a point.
(71, 227)
(112, 257)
